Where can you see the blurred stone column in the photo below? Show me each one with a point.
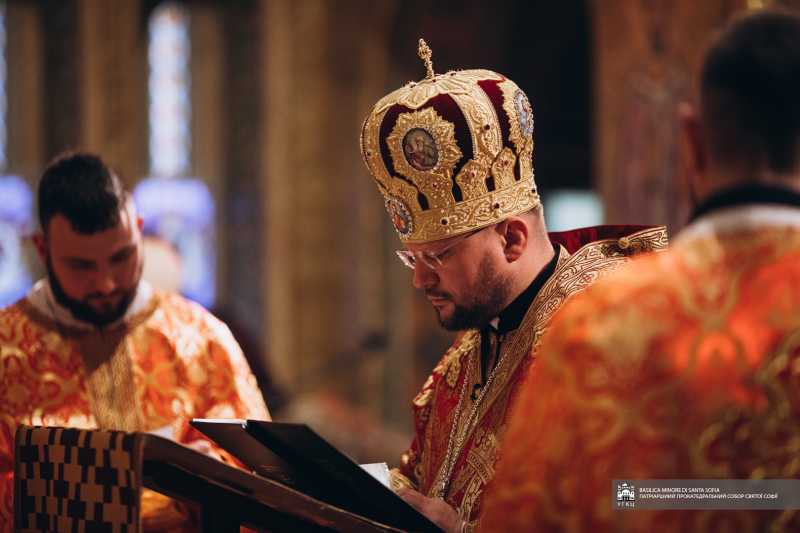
(25, 85)
(243, 125)
(647, 55)
(113, 74)
(325, 227)
(25, 147)
(76, 80)
(207, 125)
(62, 102)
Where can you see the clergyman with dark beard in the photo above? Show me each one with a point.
(95, 346)
(475, 237)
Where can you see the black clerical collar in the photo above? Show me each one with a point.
(511, 317)
(749, 194)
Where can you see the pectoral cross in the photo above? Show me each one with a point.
(475, 388)
(441, 487)
(426, 53)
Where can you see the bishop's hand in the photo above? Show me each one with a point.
(436, 509)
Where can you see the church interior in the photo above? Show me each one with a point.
(236, 124)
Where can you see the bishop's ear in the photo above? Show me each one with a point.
(516, 234)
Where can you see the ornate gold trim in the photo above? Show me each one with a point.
(110, 380)
(407, 192)
(525, 160)
(487, 139)
(415, 94)
(370, 150)
(438, 190)
(399, 481)
(645, 241)
(472, 180)
(472, 214)
(503, 169)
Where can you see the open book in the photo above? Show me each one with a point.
(294, 455)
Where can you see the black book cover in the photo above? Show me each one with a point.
(296, 456)
(233, 437)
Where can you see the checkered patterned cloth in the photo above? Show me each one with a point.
(76, 481)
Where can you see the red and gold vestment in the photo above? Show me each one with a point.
(166, 363)
(584, 257)
(686, 367)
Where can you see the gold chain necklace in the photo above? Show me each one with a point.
(450, 461)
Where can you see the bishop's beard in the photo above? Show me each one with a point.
(82, 311)
(486, 298)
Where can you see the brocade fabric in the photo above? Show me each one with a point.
(688, 367)
(434, 407)
(171, 362)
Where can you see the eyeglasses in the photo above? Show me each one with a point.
(432, 260)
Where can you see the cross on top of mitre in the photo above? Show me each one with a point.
(426, 53)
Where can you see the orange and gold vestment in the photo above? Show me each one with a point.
(162, 365)
(584, 256)
(686, 367)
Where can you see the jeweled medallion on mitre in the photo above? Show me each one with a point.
(401, 215)
(524, 113)
(420, 150)
(423, 142)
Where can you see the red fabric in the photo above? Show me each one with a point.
(687, 366)
(186, 365)
(575, 239)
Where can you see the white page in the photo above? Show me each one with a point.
(379, 471)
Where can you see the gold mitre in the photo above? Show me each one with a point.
(451, 153)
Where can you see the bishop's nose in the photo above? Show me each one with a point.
(424, 276)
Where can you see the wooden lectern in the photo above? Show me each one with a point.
(69, 480)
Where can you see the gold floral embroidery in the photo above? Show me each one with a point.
(573, 275)
(424, 397)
